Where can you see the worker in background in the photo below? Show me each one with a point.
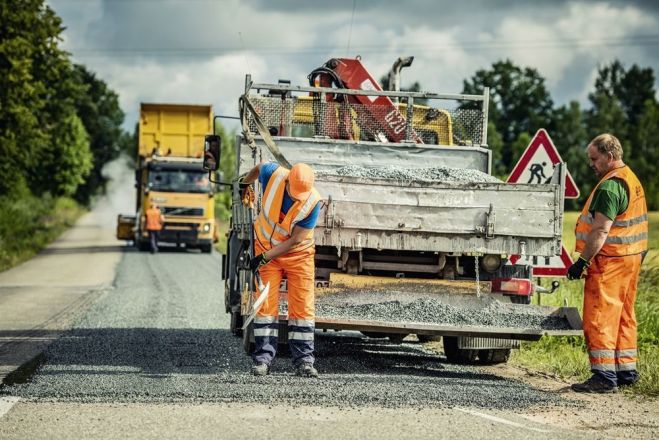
(612, 237)
(284, 247)
(154, 224)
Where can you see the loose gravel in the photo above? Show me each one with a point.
(392, 172)
(161, 335)
(408, 308)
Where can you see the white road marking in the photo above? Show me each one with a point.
(6, 403)
(500, 420)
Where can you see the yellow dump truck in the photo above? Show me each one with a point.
(169, 175)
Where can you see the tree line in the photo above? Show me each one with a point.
(59, 123)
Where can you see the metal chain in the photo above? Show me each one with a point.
(478, 278)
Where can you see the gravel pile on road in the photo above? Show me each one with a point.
(392, 172)
(161, 336)
(434, 311)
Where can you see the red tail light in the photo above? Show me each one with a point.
(512, 286)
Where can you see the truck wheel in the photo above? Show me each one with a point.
(236, 323)
(248, 344)
(457, 355)
(206, 248)
(495, 356)
(429, 338)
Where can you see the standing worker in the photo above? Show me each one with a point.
(284, 246)
(154, 223)
(612, 237)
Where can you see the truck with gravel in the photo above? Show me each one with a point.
(169, 174)
(415, 234)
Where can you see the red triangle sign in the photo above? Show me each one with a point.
(536, 164)
(555, 266)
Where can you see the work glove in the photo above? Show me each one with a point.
(575, 272)
(246, 192)
(256, 262)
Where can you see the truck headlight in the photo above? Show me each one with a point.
(206, 227)
(490, 263)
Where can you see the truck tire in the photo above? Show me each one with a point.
(429, 338)
(236, 323)
(248, 335)
(494, 356)
(206, 248)
(457, 355)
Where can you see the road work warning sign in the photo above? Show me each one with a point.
(536, 166)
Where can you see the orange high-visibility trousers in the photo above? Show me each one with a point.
(299, 269)
(609, 322)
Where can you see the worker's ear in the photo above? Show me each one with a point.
(212, 148)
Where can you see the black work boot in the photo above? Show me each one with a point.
(261, 369)
(594, 385)
(306, 369)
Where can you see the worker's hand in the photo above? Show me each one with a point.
(241, 182)
(256, 262)
(575, 272)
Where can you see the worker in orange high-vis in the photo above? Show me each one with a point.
(154, 223)
(612, 237)
(284, 247)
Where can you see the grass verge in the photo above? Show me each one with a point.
(566, 356)
(29, 223)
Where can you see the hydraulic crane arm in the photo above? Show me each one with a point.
(376, 114)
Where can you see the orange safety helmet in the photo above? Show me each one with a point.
(300, 181)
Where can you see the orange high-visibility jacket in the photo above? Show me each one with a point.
(629, 232)
(153, 219)
(269, 229)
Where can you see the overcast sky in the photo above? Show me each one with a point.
(198, 51)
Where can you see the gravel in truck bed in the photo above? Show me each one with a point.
(408, 308)
(434, 174)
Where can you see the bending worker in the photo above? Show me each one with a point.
(284, 246)
(612, 237)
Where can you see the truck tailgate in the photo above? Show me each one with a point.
(483, 217)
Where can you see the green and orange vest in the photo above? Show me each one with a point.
(629, 232)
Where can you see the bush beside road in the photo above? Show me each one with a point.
(28, 224)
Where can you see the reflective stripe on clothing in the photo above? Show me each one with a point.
(601, 353)
(266, 332)
(301, 336)
(594, 366)
(265, 319)
(626, 353)
(629, 231)
(627, 366)
(301, 323)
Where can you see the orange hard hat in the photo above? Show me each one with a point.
(300, 181)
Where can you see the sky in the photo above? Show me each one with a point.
(199, 51)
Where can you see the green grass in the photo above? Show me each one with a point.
(28, 224)
(566, 356)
